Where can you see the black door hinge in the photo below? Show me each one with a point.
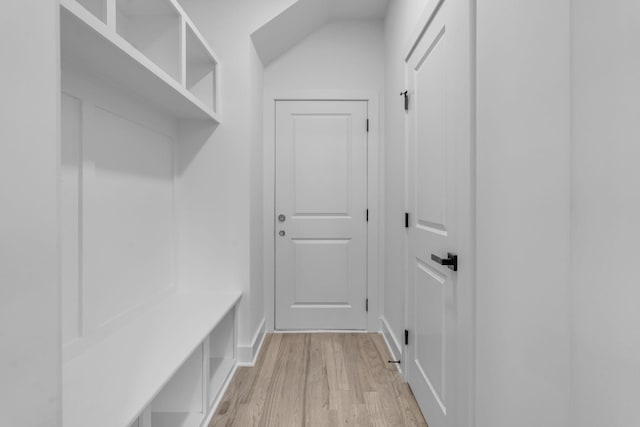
(406, 220)
(367, 125)
(366, 305)
(406, 337)
(406, 100)
(367, 215)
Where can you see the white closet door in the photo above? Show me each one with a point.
(438, 170)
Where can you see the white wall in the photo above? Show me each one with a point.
(402, 17)
(218, 194)
(605, 357)
(343, 55)
(342, 58)
(30, 354)
(523, 212)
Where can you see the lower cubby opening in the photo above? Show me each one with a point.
(181, 402)
(222, 357)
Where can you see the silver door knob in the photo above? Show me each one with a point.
(282, 233)
(281, 218)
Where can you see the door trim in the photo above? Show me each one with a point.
(375, 180)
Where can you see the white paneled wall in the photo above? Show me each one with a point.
(117, 203)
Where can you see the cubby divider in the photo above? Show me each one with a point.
(201, 69)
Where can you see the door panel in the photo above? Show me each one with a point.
(321, 196)
(322, 271)
(321, 156)
(438, 141)
(431, 158)
(430, 348)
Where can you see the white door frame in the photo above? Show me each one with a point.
(466, 342)
(375, 259)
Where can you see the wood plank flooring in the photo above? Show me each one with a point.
(320, 379)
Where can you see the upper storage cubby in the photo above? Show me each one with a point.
(201, 69)
(152, 27)
(147, 47)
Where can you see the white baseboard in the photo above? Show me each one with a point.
(392, 342)
(248, 354)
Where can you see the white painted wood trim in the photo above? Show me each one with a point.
(392, 342)
(145, 417)
(427, 15)
(195, 29)
(183, 51)
(248, 354)
(375, 185)
(178, 91)
(122, 358)
(111, 14)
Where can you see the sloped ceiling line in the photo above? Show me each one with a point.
(304, 17)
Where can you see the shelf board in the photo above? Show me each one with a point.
(110, 384)
(89, 43)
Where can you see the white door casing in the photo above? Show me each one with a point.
(321, 194)
(440, 206)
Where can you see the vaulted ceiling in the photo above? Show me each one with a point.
(306, 16)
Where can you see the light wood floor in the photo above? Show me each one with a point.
(319, 380)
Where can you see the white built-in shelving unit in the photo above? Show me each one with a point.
(154, 367)
(141, 348)
(150, 47)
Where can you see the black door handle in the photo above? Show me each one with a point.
(451, 261)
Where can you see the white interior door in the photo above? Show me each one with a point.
(438, 163)
(321, 203)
